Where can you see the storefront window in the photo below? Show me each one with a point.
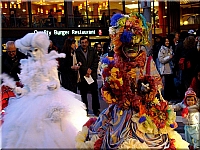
(91, 13)
(47, 13)
(14, 14)
(190, 13)
(132, 6)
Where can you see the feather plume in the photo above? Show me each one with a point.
(8, 81)
(53, 55)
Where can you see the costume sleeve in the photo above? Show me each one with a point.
(53, 75)
(178, 106)
(197, 116)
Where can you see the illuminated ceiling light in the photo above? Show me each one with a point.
(47, 12)
(41, 10)
(38, 9)
(84, 3)
(54, 9)
(15, 6)
(62, 11)
(90, 9)
(185, 22)
(1, 5)
(184, 1)
(24, 10)
(19, 6)
(80, 7)
(10, 5)
(19, 1)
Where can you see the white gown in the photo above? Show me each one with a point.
(42, 118)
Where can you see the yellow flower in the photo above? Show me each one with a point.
(179, 142)
(114, 72)
(80, 139)
(132, 73)
(82, 134)
(156, 101)
(133, 144)
(107, 97)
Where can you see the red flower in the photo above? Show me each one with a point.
(98, 143)
(159, 114)
(90, 122)
(171, 145)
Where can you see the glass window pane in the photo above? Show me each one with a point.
(15, 13)
(46, 13)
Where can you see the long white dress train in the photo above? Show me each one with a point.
(42, 118)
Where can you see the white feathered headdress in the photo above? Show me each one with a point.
(38, 40)
(41, 40)
(24, 44)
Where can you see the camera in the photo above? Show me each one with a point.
(78, 64)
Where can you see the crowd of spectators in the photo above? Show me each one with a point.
(177, 60)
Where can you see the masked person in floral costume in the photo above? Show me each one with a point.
(137, 116)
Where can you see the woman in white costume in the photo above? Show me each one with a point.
(43, 115)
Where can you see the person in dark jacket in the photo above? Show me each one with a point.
(69, 66)
(11, 60)
(190, 60)
(88, 57)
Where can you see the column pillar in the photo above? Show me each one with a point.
(95, 12)
(29, 14)
(175, 16)
(162, 21)
(147, 14)
(69, 15)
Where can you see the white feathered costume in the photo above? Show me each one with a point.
(44, 115)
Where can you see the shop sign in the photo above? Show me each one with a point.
(68, 32)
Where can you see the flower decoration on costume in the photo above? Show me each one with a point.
(147, 88)
(128, 29)
(133, 144)
(159, 118)
(115, 19)
(126, 37)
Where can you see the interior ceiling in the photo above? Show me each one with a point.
(113, 3)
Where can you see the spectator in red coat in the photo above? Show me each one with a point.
(195, 84)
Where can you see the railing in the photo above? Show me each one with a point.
(43, 21)
(9, 21)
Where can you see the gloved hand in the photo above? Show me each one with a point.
(19, 92)
(52, 86)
